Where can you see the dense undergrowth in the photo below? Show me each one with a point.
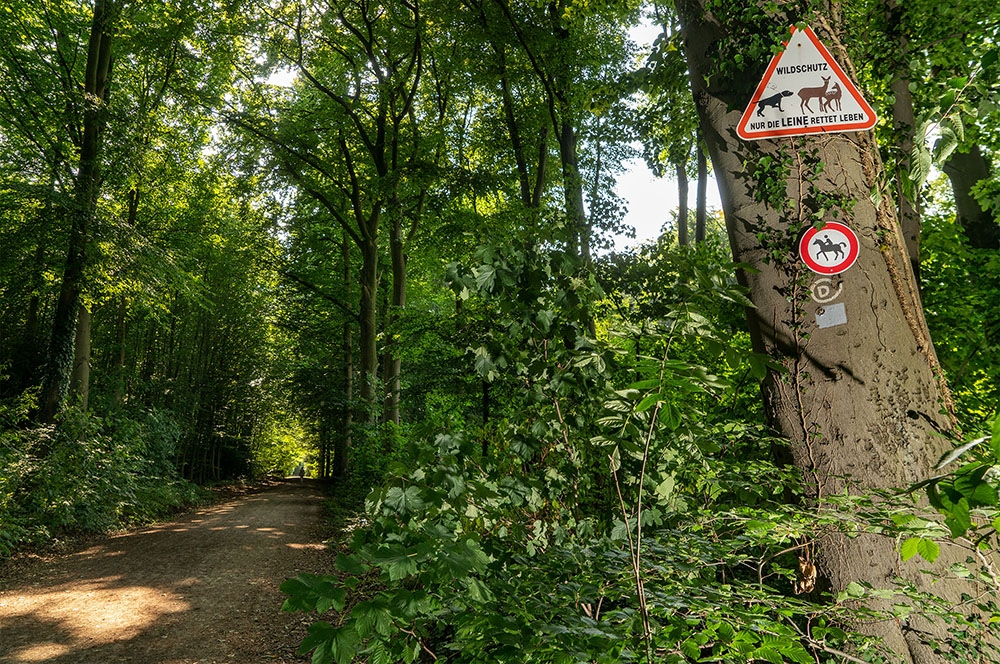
(85, 475)
(629, 506)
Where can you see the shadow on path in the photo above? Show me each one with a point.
(202, 588)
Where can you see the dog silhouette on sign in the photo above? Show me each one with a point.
(773, 101)
(826, 245)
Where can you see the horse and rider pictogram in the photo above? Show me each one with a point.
(831, 249)
(825, 245)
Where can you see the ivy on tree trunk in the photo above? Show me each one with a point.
(862, 404)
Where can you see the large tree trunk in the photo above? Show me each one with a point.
(965, 170)
(860, 399)
(61, 344)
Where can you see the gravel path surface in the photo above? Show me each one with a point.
(201, 589)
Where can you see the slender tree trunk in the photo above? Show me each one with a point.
(862, 398)
(701, 204)
(573, 192)
(904, 124)
(117, 369)
(393, 361)
(965, 170)
(79, 384)
(343, 442)
(61, 344)
(682, 206)
(369, 329)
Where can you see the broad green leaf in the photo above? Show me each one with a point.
(855, 589)
(647, 402)
(909, 548)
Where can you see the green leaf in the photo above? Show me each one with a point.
(855, 589)
(670, 416)
(647, 402)
(615, 459)
(349, 564)
(485, 276)
(405, 501)
(921, 164)
(945, 145)
(928, 549)
(909, 548)
(959, 521)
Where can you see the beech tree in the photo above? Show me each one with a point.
(862, 404)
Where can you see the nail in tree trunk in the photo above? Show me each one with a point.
(863, 397)
(61, 344)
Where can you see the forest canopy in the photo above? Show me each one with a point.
(376, 238)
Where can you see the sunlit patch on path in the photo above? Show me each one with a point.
(203, 588)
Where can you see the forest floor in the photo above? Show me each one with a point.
(200, 589)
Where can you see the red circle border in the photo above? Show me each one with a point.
(852, 254)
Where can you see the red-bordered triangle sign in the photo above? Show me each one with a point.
(804, 91)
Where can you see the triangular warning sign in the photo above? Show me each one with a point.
(804, 91)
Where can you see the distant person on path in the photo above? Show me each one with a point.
(300, 471)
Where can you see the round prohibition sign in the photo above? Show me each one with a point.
(831, 249)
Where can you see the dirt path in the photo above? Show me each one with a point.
(202, 589)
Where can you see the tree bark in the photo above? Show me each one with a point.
(701, 209)
(904, 124)
(393, 361)
(61, 344)
(79, 384)
(861, 399)
(965, 170)
(369, 329)
(342, 445)
(579, 244)
(682, 204)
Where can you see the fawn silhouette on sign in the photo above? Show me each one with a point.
(826, 245)
(832, 95)
(807, 95)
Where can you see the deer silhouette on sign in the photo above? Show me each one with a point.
(808, 94)
(827, 245)
(831, 97)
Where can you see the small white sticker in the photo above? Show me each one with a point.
(831, 315)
